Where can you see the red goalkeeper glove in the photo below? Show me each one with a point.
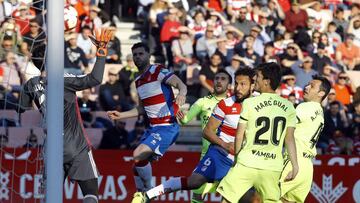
(101, 39)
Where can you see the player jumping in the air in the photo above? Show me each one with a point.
(265, 122)
(220, 132)
(203, 107)
(154, 86)
(78, 163)
(310, 122)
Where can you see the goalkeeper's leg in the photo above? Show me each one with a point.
(90, 191)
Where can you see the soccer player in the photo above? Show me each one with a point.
(266, 121)
(220, 131)
(204, 107)
(78, 164)
(310, 122)
(154, 86)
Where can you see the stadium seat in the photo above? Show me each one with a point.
(31, 118)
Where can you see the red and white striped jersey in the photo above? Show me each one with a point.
(228, 112)
(156, 96)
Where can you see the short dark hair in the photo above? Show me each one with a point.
(271, 71)
(247, 72)
(357, 102)
(139, 45)
(325, 85)
(38, 56)
(85, 27)
(226, 73)
(335, 103)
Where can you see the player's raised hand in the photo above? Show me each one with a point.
(114, 115)
(180, 100)
(292, 174)
(101, 39)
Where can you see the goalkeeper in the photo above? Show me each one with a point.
(78, 164)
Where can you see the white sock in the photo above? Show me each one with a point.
(145, 174)
(90, 199)
(171, 185)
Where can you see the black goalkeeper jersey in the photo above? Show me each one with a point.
(75, 140)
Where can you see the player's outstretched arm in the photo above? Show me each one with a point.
(177, 83)
(194, 110)
(210, 134)
(239, 137)
(291, 149)
(77, 83)
(116, 115)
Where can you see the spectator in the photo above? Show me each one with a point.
(7, 45)
(292, 99)
(11, 78)
(234, 6)
(183, 54)
(75, 59)
(344, 89)
(35, 36)
(84, 42)
(295, 18)
(335, 127)
(22, 18)
(334, 37)
(111, 94)
(261, 38)
(217, 5)
(293, 53)
(114, 49)
(206, 46)
(234, 66)
(330, 73)
(288, 87)
(226, 54)
(321, 16)
(303, 71)
(115, 137)
(269, 54)
(32, 141)
(354, 28)
(335, 119)
(340, 22)
(92, 20)
(243, 24)
(348, 54)
(207, 74)
(198, 24)
(355, 124)
(128, 74)
(4, 139)
(329, 48)
(275, 10)
(320, 59)
(248, 55)
(169, 32)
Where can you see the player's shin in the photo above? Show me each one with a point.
(142, 175)
(171, 185)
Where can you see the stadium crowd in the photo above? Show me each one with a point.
(195, 39)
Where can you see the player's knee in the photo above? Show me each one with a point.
(90, 199)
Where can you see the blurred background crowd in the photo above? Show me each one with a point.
(196, 38)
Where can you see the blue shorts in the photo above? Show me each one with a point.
(215, 164)
(160, 138)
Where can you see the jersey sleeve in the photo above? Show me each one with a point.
(300, 113)
(245, 109)
(80, 82)
(164, 74)
(219, 111)
(292, 117)
(195, 109)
